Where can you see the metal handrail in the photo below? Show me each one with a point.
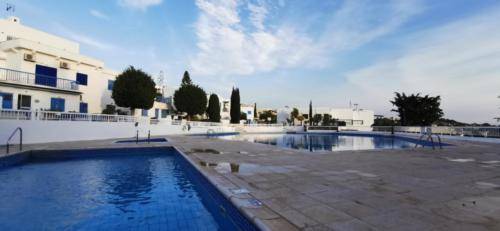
(429, 137)
(20, 139)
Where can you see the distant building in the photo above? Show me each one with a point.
(351, 116)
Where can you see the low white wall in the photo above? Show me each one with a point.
(268, 129)
(39, 131)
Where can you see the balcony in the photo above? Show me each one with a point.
(31, 80)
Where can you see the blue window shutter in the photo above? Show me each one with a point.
(57, 104)
(81, 79)
(144, 112)
(111, 83)
(6, 100)
(83, 108)
(62, 107)
(46, 76)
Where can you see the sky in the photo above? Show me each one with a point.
(288, 52)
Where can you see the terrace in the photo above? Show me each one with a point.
(37, 81)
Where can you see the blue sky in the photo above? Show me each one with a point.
(287, 52)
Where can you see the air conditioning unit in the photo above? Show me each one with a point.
(29, 57)
(64, 65)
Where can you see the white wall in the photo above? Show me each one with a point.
(36, 131)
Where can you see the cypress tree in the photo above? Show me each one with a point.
(255, 110)
(310, 112)
(235, 106)
(213, 110)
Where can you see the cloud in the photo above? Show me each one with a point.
(227, 46)
(142, 5)
(459, 61)
(82, 38)
(98, 14)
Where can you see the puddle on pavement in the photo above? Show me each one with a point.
(207, 150)
(243, 168)
(460, 160)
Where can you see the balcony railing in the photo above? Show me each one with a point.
(491, 132)
(31, 79)
(62, 116)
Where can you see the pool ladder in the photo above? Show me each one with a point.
(428, 137)
(20, 139)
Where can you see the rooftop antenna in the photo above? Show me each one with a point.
(10, 9)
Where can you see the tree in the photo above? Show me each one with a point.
(383, 121)
(243, 116)
(416, 110)
(255, 110)
(235, 106)
(310, 112)
(294, 115)
(190, 98)
(316, 119)
(327, 120)
(133, 89)
(268, 114)
(186, 79)
(213, 110)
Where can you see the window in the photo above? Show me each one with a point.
(81, 79)
(111, 83)
(56, 104)
(46, 76)
(23, 102)
(6, 100)
(84, 107)
(249, 112)
(144, 112)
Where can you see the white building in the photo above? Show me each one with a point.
(351, 116)
(40, 71)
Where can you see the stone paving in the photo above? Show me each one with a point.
(457, 188)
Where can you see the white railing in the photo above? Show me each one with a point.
(62, 116)
(70, 116)
(196, 123)
(493, 132)
(257, 125)
(15, 114)
(26, 78)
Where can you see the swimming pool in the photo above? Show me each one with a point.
(111, 189)
(329, 142)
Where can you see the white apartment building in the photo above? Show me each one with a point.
(44, 72)
(351, 116)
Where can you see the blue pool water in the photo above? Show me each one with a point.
(144, 189)
(329, 142)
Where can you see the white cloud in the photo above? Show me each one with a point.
(139, 4)
(98, 14)
(459, 61)
(226, 47)
(82, 38)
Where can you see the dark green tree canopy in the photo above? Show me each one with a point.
(213, 110)
(317, 118)
(294, 115)
(190, 98)
(416, 110)
(235, 106)
(133, 89)
(265, 115)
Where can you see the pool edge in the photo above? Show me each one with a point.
(255, 220)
